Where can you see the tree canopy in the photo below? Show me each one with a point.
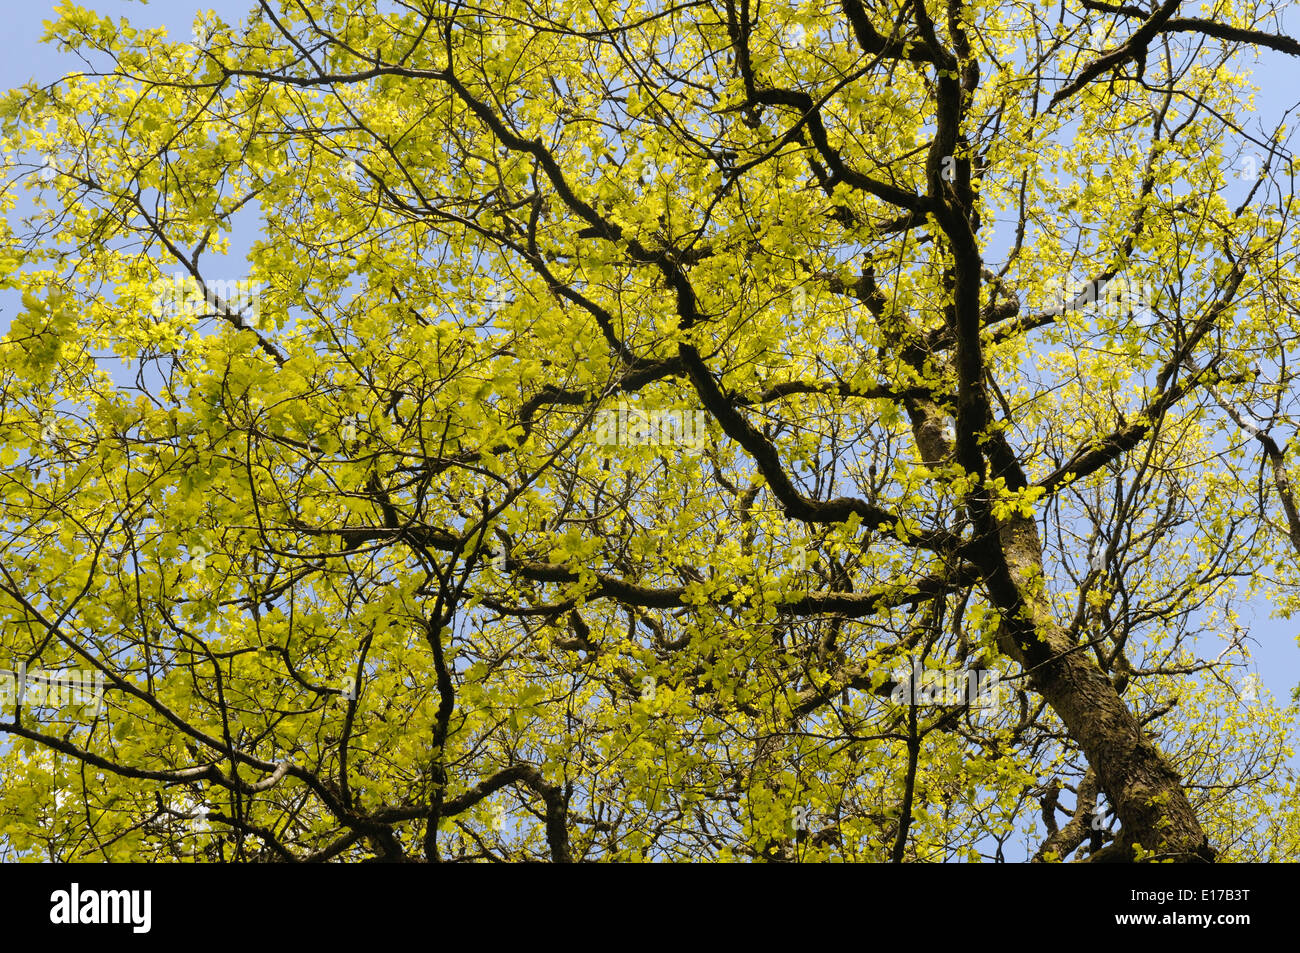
(624, 415)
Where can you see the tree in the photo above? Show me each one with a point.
(694, 431)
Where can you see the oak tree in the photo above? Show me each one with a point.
(622, 417)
